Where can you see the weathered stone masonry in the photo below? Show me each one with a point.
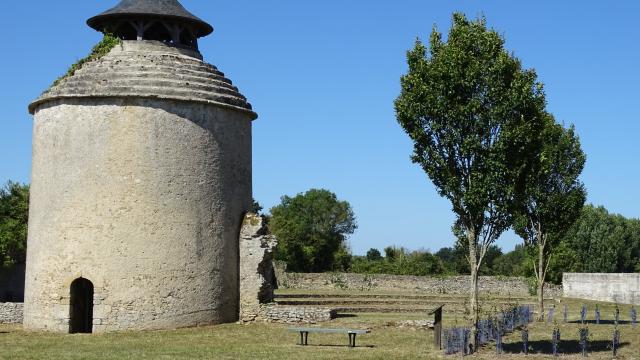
(257, 280)
(141, 175)
(256, 268)
(297, 314)
(451, 285)
(11, 313)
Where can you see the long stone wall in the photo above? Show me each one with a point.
(620, 288)
(11, 313)
(451, 285)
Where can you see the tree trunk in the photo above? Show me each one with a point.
(474, 304)
(541, 298)
(473, 298)
(540, 277)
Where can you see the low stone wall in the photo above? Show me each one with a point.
(452, 285)
(620, 288)
(297, 314)
(11, 313)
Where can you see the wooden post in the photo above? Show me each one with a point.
(437, 326)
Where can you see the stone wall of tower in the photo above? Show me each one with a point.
(145, 199)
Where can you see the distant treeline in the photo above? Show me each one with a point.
(598, 242)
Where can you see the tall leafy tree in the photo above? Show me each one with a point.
(474, 115)
(312, 229)
(14, 216)
(552, 199)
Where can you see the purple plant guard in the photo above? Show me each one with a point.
(499, 344)
(584, 341)
(550, 315)
(555, 342)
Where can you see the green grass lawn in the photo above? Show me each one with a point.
(272, 341)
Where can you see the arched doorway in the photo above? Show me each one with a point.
(81, 307)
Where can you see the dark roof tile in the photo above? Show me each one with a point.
(150, 8)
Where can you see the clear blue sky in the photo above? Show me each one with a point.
(323, 76)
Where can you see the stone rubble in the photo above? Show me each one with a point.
(432, 285)
(412, 324)
(11, 313)
(297, 314)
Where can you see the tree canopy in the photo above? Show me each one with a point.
(552, 199)
(474, 115)
(600, 242)
(312, 229)
(14, 215)
(397, 261)
(553, 194)
(374, 255)
(256, 208)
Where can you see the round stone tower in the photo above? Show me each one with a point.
(141, 176)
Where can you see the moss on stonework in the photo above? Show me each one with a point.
(251, 219)
(101, 49)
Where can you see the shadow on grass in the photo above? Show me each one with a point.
(338, 316)
(566, 347)
(336, 345)
(602, 322)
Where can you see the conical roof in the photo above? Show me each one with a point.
(149, 70)
(170, 9)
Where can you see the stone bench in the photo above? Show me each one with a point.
(304, 333)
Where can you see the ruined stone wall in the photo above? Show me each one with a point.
(451, 285)
(256, 267)
(11, 313)
(620, 288)
(145, 199)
